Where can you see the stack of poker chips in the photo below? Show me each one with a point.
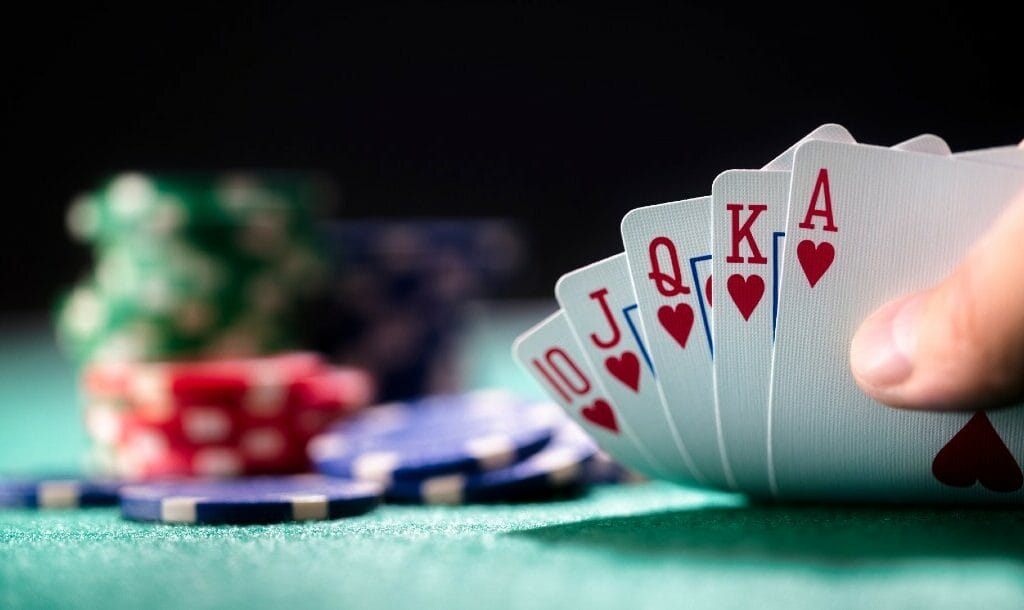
(214, 418)
(183, 327)
(399, 305)
(190, 422)
(193, 266)
(482, 446)
(239, 501)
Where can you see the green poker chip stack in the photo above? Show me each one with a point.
(193, 266)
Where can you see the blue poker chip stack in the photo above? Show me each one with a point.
(249, 501)
(405, 284)
(485, 446)
(604, 470)
(242, 501)
(56, 492)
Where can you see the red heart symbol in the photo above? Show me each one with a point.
(746, 292)
(977, 454)
(677, 321)
(600, 413)
(625, 368)
(707, 290)
(815, 259)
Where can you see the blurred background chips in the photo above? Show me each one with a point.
(194, 266)
(398, 298)
(218, 279)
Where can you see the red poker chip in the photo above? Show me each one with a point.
(217, 418)
(342, 389)
(188, 425)
(147, 456)
(306, 424)
(203, 425)
(260, 384)
(273, 450)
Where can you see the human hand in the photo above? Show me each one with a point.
(960, 344)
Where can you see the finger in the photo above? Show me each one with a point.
(959, 345)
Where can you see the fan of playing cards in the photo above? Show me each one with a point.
(714, 349)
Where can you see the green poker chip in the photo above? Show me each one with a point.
(90, 329)
(259, 211)
(193, 265)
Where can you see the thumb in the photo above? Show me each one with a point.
(959, 345)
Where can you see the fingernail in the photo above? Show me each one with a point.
(882, 351)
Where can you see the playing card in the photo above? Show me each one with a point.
(925, 143)
(748, 221)
(599, 303)
(550, 354)
(749, 218)
(668, 247)
(669, 251)
(828, 131)
(864, 226)
(1001, 155)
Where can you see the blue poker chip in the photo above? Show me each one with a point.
(57, 492)
(467, 433)
(603, 470)
(559, 466)
(249, 501)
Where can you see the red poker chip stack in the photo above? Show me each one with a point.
(215, 418)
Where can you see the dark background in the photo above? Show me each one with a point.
(563, 117)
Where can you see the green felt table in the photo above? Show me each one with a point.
(639, 546)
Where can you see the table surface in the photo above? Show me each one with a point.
(649, 545)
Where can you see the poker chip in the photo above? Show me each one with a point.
(57, 492)
(193, 266)
(146, 454)
(257, 500)
(403, 293)
(603, 470)
(559, 466)
(200, 424)
(260, 384)
(216, 418)
(467, 433)
(336, 388)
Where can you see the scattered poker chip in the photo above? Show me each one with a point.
(57, 492)
(559, 466)
(257, 500)
(467, 433)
